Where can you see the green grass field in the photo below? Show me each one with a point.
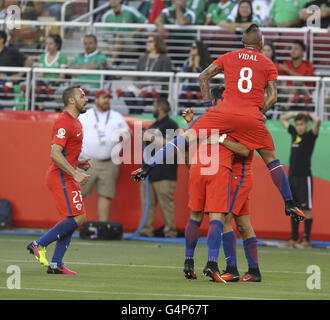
(142, 270)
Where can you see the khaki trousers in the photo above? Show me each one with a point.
(160, 192)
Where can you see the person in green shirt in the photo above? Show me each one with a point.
(53, 58)
(178, 14)
(91, 59)
(219, 11)
(121, 13)
(285, 13)
(198, 6)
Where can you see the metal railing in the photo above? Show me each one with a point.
(132, 92)
(135, 92)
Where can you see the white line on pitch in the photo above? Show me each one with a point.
(134, 265)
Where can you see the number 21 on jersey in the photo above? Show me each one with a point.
(244, 83)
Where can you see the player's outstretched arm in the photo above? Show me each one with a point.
(204, 81)
(59, 159)
(271, 92)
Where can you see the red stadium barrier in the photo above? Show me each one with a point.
(25, 149)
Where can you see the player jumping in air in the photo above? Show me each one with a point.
(63, 180)
(223, 196)
(240, 113)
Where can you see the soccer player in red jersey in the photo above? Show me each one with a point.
(241, 111)
(221, 195)
(63, 180)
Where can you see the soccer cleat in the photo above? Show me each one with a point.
(293, 211)
(141, 173)
(250, 277)
(39, 252)
(303, 244)
(188, 269)
(60, 270)
(211, 269)
(230, 277)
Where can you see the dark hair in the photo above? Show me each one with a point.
(57, 39)
(301, 44)
(3, 35)
(163, 104)
(203, 52)
(239, 17)
(160, 44)
(301, 117)
(90, 35)
(271, 45)
(68, 93)
(216, 92)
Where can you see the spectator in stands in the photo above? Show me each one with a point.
(300, 174)
(306, 14)
(241, 18)
(285, 13)
(11, 57)
(52, 59)
(162, 179)
(219, 11)
(53, 9)
(198, 6)
(199, 59)
(121, 13)
(298, 67)
(102, 129)
(269, 51)
(178, 13)
(154, 59)
(91, 59)
(262, 9)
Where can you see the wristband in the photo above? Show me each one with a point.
(208, 104)
(222, 138)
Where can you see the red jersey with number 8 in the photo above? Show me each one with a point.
(247, 72)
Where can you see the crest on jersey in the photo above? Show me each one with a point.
(79, 206)
(61, 133)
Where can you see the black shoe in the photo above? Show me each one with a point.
(250, 277)
(211, 270)
(293, 211)
(141, 173)
(230, 275)
(188, 269)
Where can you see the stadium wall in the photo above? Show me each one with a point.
(25, 149)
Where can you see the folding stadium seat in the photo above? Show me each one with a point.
(321, 49)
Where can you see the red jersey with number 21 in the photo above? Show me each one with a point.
(247, 72)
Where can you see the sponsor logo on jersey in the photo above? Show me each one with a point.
(61, 133)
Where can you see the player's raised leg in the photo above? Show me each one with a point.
(281, 181)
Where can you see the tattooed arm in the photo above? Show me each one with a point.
(204, 80)
(271, 98)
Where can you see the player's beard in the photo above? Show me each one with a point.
(81, 107)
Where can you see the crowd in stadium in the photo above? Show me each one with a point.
(233, 16)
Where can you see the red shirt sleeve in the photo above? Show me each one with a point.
(219, 62)
(272, 72)
(61, 132)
